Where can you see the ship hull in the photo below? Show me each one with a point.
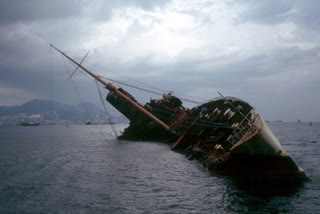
(236, 146)
(258, 165)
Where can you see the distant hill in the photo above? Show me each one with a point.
(47, 110)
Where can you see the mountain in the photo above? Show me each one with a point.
(46, 110)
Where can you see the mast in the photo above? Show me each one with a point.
(114, 89)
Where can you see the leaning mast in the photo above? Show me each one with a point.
(113, 88)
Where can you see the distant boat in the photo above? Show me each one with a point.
(109, 122)
(310, 123)
(298, 121)
(29, 123)
(95, 123)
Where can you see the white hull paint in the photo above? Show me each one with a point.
(260, 141)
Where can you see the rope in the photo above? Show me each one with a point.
(51, 83)
(105, 109)
(150, 86)
(146, 90)
(78, 94)
(200, 122)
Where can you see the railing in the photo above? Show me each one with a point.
(241, 129)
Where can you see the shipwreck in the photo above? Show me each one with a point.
(226, 134)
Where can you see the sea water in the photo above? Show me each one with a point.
(84, 169)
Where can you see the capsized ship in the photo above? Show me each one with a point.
(226, 134)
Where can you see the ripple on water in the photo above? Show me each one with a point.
(49, 169)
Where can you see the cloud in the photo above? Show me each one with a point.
(302, 13)
(266, 12)
(35, 10)
(265, 52)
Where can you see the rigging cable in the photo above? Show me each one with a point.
(150, 86)
(200, 122)
(105, 109)
(78, 94)
(146, 90)
(51, 84)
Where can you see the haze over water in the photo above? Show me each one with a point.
(58, 169)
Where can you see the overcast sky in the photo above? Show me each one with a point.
(266, 52)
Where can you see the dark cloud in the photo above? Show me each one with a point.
(39, 10)
(104, 9)
(303, 13)
(185, 74)
(306, 14)
(281, 84)
(266, 11)
(144, 4)
(31, 10)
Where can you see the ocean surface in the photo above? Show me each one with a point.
(83, 169)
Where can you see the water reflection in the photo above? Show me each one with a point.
(268, 187)
(261, 195)
(54, 169)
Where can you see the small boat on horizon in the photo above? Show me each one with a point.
(29, 123)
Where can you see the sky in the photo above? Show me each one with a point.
(266, 52)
